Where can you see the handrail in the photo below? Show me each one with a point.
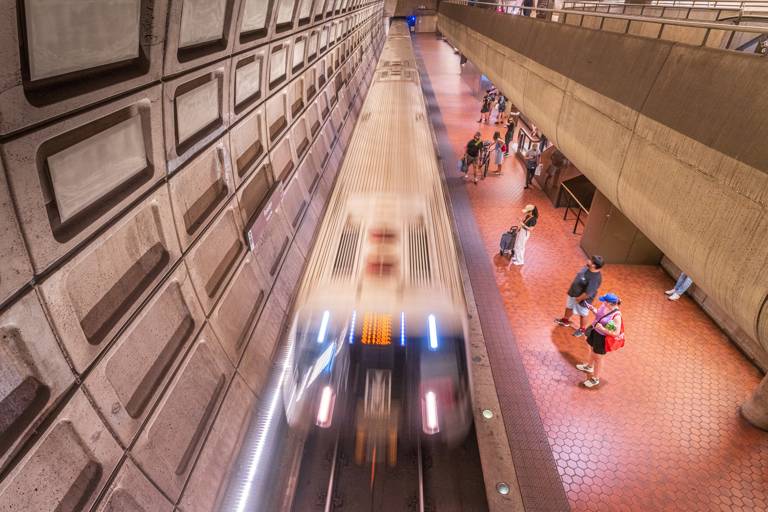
(703, 4)
(568, 208)
(709, 26)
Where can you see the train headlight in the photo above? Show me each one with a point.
(432, 332)
(325, 411)
(429, 413)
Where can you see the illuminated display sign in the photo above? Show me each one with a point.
(377, 329)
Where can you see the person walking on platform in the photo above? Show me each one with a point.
(472, 157)
(581, 293)
(681, 286)
(509, 134)
(531, 161)
(526, 226)
(497, 149)
(502, 109)
(485, 109)
(606, 334)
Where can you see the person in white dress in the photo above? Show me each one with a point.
(526, 226)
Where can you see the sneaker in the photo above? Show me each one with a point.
(591, 382)
(674, 296)
(475, 182)
(584, 367)
(670, 292)
(563, 322)
(578, 332)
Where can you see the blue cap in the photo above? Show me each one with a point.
(610, 297)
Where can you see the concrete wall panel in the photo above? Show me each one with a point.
(200, 190)
(75, 176)
(16, 269)
(294, 202)
(253, 195)
(73, 67)
(269, 236)
(249, 79)
(197, 111)
(131, 491)
(237, 312)
(287, 281)
(74, 459)
(587, 143)
(33, 373)
(199, 32)
(166, 449)
(301, 137)
(91, 297)
(208, 479)
(278, 116)
(215, 257)
(257, 359)
(253, 25)
(283, 159)
(126, 383)
(248, 142)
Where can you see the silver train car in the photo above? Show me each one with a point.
(380, 317)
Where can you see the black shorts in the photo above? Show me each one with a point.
(597, 342)
(471, 159)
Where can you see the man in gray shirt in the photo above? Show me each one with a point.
(582, 291)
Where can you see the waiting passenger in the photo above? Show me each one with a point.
(502, 109)
(498, 148)
(582, 292)
(472, 155)
(485, 108)
(509, 134)
(681, 286)
(526, 226)
(606, 334)
(531, 162)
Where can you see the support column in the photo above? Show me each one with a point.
(755, 409)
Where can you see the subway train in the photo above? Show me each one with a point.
(380, 322)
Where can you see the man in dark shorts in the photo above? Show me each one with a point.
(472, 156)
(582, 291)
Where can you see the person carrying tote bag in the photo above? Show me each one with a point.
(606, 334)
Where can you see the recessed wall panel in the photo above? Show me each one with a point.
(257, 359)
(76, 175)
(168, 445)
(200, 189)
(93, 294)
(33, 373)
(237, 311)
(215, 257)
(63, 37)
(283, 159)
(208, 480)
(132, 375)
(196, 112)
(269, 236)
(16, 269)
(131, 491)
(68, 467)
(249, 71)
(199, 32)
(294, 202)
(248, 140)
(278, 65)
(255, 192)
(62, 56)
(278, 115)
(288, 280)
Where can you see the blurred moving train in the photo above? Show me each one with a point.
(380, 318)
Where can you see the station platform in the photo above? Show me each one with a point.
(663, 430)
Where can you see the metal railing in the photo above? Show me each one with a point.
(744, 5)
(570, 199)
(721, 35)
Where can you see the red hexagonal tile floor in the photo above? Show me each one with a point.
(663, 431)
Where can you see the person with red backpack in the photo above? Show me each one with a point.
(606, 334)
